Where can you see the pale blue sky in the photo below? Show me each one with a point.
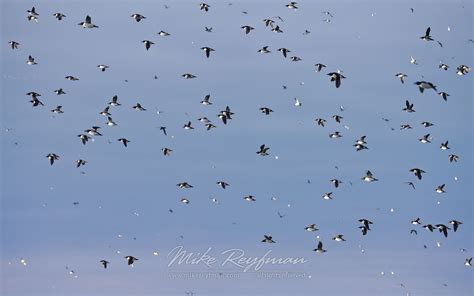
(370, 41)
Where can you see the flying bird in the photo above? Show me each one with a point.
(87, 23)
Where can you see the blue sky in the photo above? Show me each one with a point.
(129, 191)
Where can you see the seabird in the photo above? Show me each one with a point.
(413, 61)
(339, 238)
(32, 11)
(94, 131)
(184, 185)
(440, 189)
(277, 29)
(166, 151)
(284, 51)
(57, 110)
(335, 135)
(209, 126)
(102, 67)
(31, 61)
(408, 107)
(110, 121)
(360, 147)
(222, 184)
(453, 157)
(249, 198)
(114, 101)
(268, 22)
(268, 239)
(319, 67)
(204, 6)
(266, 110)
(148, 44)
(429, 227)
(363, 229)
(426, 124)
(59, 16)
(105, 112)
(443, 66)
(417, 221)
(402, 77)
(263, 150)
(422, 85)
(295, 59)
(297, 103)
(337, 118)
(138, 17)
(247, 29)
(206, 101)
(87, 23)
(138, 107)
(188, 76)
(188, 126)
(264, 50)
(35, 101)
(468, 262)
(425, 139)
(443, 229)
(124, 141)
(336, 182)
(418, 172)
(163, 128)
(336, 76)
(427, 36)
(59, 92)
(444, 146)
(319, 248)
(84, 138)
(80, 162)
(209, 30)
(14, 44)
(311, 227)
(292, 5)
(52, 157)
(71, 78)
(163, 33)
(32, 18)
(455, 224)
(327, 195)
(405, 126)
(411, 184)
(130, 260)
(104, 263)
(462, 70)
(207, 50)
(366, 223)
(320, 121)
(444, 95)
(184, 200)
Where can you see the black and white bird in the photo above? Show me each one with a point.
(408, 107)
(425, 139)
(204, 6)
(247, 29)
(147, 44)
(336, 76)
(418, 172)
(138, 107)
(52, 157)
(401, 76)
(184, 185)
(444, 146)
(268, 239)
(14, 44)
(264, 50)
(71, 78)
(453, 157)
(422, 85)
(104, 263)
(31, 61)
(266, 110)
(319, 67)
(102, 67)
(163, 33)
(455, 224)
(319, 248)
(130, 260)
(188, 126)
(87, 23)
(124, 141)
(59, 16)
(114, 101)
(206, 101)
(440, 189)
(336, 182)
(138, 17)
(339, 238)
(284, 51)
(166, 151)
(249, 198)
(369, 177)
(188, 76)
(462, 70)
(444, 95)
(443, 229)
(57, 110)
(80, 162)
(427, 36)
(207, 51)
(59, 92)
(311, 228)
(263, 151)
(222, 184)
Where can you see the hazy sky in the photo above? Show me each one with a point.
(61, 218)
